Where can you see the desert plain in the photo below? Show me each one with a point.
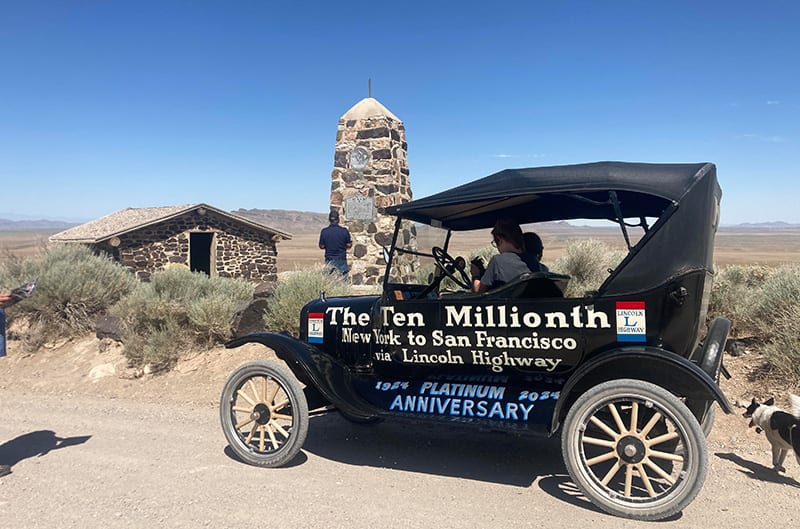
(733, 245)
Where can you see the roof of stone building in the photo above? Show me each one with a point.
(368, 107)
(131, 219)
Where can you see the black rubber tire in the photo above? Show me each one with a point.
(708, 421)
(607, 467)
(243, 391)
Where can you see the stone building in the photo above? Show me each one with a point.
(370, 172)
(199, 237)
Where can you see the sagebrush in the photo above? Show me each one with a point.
(176, 311)
(733, 294)
(589, 263)
(295, 289)
(761, 303)
(74, 287)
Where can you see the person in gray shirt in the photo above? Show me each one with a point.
(507, 265)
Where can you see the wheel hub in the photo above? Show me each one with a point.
(260, 413)
(630, 450)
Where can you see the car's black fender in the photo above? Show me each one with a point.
(327, 381)
(679, 375)
(708, 356)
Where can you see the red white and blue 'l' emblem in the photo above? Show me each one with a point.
(631, 321)
(315, 327)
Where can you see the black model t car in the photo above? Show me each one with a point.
(619, 371)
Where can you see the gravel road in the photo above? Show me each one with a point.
(113, 452)
(90, 461)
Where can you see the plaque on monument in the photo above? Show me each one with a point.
(359, 158)
(359, 207)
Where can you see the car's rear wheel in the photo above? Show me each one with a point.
(264, 414)
(634, 449)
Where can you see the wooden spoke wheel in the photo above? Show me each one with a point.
(264, 414)
(634, 449)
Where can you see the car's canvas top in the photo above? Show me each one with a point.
(549, 193)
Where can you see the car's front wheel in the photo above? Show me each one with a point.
(264, 414)
(634, 449)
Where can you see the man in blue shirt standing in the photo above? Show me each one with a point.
(335, 240)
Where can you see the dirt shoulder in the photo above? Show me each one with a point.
(87, 366)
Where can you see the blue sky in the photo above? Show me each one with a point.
(107, 104)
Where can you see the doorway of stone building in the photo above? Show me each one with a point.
(200, 252)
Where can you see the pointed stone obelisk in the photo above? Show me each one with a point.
(370, 172)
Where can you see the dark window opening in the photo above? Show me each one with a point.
(200, 252)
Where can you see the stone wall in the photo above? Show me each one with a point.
(370, 172)
(236, 249)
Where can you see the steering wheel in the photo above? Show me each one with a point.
(449, 266)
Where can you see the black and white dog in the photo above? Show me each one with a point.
(782, 429)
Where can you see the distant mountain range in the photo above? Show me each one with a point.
(294, 222)
(35, 225)
(298, 222)
(764, 226)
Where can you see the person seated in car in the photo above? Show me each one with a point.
(532, 256)
(476, 269)
(507, 265)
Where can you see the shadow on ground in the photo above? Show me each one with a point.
(457, 451)
(562, 488)
(36, 444)
(454, 450)
(758, 471)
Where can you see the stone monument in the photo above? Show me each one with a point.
(370, 172)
